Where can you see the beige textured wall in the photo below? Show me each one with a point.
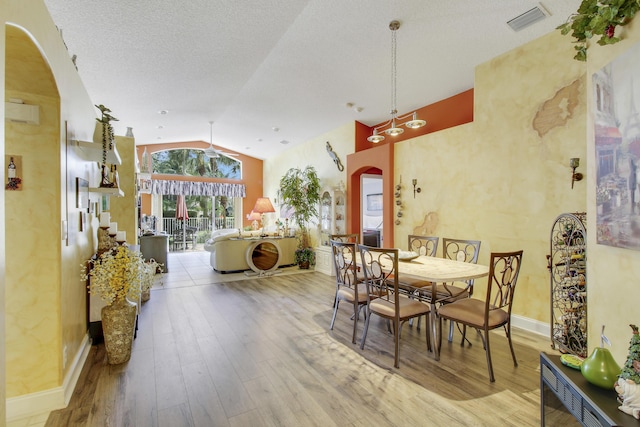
(45, 300)
(614, 284)
(313, 153)
(498, 179)
(123, 210)
(33, 274)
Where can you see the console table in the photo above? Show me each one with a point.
(567, 398)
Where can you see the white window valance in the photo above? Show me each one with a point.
(189, 188)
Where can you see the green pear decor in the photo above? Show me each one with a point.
(601, 368)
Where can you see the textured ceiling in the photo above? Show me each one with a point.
(252, 66)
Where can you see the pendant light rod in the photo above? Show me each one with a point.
(394, 126)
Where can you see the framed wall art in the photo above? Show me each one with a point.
(82, 193)
(616, 100)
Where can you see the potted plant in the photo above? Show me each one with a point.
(304, 257)
(300, 189)
(116, 277)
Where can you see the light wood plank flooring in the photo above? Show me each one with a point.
(258, 352)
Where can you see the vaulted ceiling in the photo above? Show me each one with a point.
(274, 71)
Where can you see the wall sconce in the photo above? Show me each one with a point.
(415, 189)
(574, 163)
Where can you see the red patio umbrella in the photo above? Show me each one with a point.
(182, 214)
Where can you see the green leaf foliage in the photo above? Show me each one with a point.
(598, 18)
(300, 189)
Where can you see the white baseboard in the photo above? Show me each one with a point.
(530, 325)
(37, 403)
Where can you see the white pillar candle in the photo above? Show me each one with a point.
(121, 236)
(113, 228)
(105, 218)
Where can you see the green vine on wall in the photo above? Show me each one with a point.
(598, 18)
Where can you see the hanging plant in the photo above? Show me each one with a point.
(598, 18)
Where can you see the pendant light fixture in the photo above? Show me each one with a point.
(395, 122)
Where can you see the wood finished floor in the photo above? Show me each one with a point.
(258, 352)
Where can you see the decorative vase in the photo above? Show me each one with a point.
(600, 368)
(118, 327)
(145, 295)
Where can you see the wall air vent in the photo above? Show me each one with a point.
(532, 16)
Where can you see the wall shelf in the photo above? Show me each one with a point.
(115, 192)
(92, 151)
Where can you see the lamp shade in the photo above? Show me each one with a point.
(254, 216)
(263, 205)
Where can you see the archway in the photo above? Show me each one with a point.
(380, 161)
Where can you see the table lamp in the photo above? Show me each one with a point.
(254, 216)
(263, 205)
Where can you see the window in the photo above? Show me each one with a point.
(193, 162)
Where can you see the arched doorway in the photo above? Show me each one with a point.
(375, 161)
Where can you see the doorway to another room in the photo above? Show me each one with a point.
(372, 210)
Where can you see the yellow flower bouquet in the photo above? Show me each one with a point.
(117, 274)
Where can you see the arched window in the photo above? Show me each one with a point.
(193, 162)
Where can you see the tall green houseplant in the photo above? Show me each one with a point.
(300, 189)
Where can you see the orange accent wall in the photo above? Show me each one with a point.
(380, 160)
(251, 174)
(448, 113)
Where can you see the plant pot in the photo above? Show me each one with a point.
(118, 327)
(145, 295)
(303, 265)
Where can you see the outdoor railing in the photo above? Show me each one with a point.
(170, 225)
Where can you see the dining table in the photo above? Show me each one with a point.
(437, 270)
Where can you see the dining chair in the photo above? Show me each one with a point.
(422, 245)
(380, 268)
(347, 238)
(494, 311)
(349, 288)
(464, 251)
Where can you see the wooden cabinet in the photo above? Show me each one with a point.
(567, 265)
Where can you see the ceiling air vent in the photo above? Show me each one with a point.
(532, 16)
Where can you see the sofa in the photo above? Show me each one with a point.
(233, 250)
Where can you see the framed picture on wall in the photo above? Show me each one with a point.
(374, 202)
(82, 193)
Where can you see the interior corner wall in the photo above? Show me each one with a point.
(33, 322)
(53, 320)
(123, 210)
(310, 153)
(505, 177)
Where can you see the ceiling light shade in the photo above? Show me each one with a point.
(394, 130)
(263, 205)
(375, 138)
(394, 126)
(415, 123)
